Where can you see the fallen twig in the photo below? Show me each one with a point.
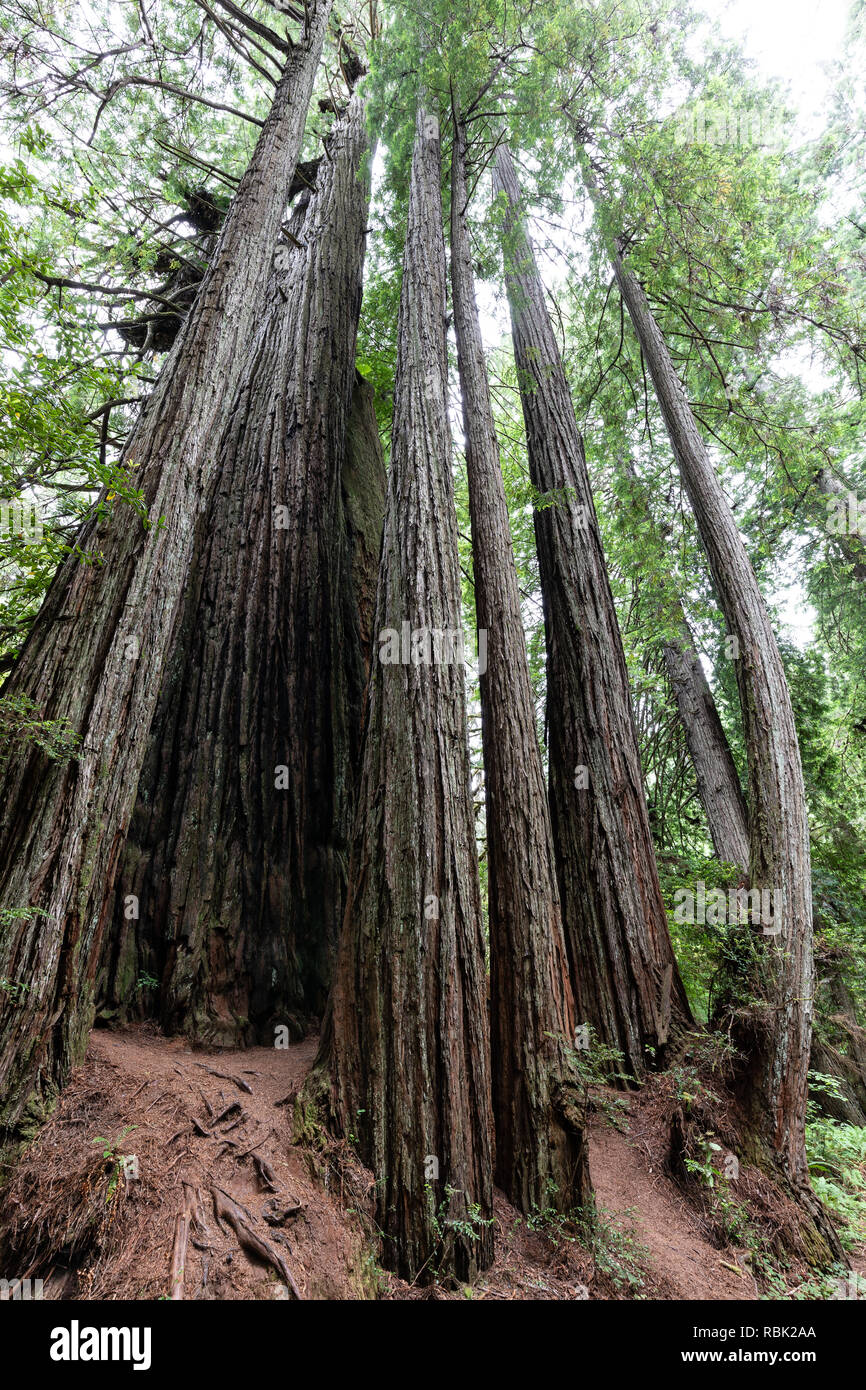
(225, 1076)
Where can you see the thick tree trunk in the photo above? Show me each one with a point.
(625, 978)
(97, 651)
(776, 1035)
(408, 1018)
(237, 860)
(540, 1152)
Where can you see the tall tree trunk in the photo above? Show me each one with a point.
(725, 807)
(775, 1036)
(408, 1025)
(133, 953)
(97, 651)
(238, 870)
(625, 978)
(540, 1151)
(715, 770)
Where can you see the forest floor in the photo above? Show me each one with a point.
(211, 1133)
(631, 1185)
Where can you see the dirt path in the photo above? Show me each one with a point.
(215, 1123)
(683, 1261)
(269, 1072)
(213, 1127)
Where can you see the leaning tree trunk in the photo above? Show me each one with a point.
(96, 654)
(408, 1019)
(725, 807)
(237, 866)
(540, 1151)
(625, 979)
(775, 1034)
(715, 770)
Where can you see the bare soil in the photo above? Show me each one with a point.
(210, 1129)
(685, 1264)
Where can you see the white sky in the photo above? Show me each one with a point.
(795, 40)
(790, 39)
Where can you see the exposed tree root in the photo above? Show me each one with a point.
(230, 1211)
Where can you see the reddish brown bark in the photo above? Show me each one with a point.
(774, 1030)
(779, 851)
(625, 979)
(97, 652)
(715, 770)
(541, 1158)
(237, 860)
(409, 1039)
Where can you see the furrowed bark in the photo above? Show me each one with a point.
(624, 975)
(715, 770)
(408, 1019)
(725, 807)
(97, 651)
(541, 1159)
(237, 860)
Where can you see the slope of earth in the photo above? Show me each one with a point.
(628, 1186)
(207, 1131)
(225, 1206)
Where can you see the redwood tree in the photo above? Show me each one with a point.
(236, 863)
(774, 1029)
(97, 651)
(715, 770)
(625, 978)
(408, 1033)
(540, 1153)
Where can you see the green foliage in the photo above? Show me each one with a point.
(709, 954)
(704, 1054)
(618, 1252)
(20, 722)
(837, 1164)
(15, 990)
(469, 1225)
(594, 1067)
(114, 1158)
(752, 254)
